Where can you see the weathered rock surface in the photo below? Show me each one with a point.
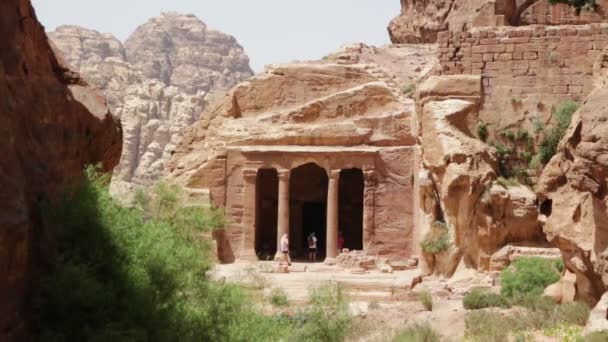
(52, 124)
(421, 20)
(457, 181)
(573, 186)
(598, 318)
(158, 83)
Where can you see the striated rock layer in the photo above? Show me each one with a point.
(51, 125)
(158, 82)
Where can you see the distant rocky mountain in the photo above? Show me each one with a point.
(158, 82)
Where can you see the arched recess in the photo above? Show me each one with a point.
(350, 208)
(307, 208)
(267, 189)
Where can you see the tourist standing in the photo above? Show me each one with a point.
(312, 247)
(340, 242)
(285, 249)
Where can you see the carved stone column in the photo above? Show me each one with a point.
(249, 213)
(283, 209)
(331, 246)
(369, 205)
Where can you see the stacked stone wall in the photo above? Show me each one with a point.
(525, 70)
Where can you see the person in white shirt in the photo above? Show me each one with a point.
(312, 247)
(285, 249)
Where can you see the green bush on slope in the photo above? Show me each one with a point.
(137, 274)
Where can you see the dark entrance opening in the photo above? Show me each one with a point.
(267, 192)
(350, 208)
(307, 209)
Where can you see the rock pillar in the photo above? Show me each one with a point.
(369, 199)
(332, 217)
(283, 209)
(249, 212)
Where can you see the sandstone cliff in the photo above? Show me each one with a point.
(573, 185)
(51, 126)
(459, 196)
(158, 82)
(421, 20)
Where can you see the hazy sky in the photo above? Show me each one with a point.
(271, 31)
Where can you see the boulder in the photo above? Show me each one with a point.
(598, 318)
(457, 182)
(574, 201)
(52, 124)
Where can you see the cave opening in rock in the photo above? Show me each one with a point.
(307, 209)
(267, 189)
(350, 208)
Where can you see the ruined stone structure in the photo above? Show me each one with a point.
(314, 147)
(526, 70)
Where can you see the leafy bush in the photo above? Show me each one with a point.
(417, 333)
(482, 131)
(480, 299)
(562, 115)
(506, 182)
(328, 317)
(599, 336)
(409, 89)
(528, 275)
(426, 300)
(489, 325)
(278, 297)
(437, 239)
(137, 274)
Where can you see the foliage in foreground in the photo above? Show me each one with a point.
(417, 333)
(437, 239)
(327, 318)
(480, 299)
(426, 300)
(529, 276)
(139, 275)
(492, 325)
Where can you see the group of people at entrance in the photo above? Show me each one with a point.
(312, 246)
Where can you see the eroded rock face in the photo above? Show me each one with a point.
(457, 181)
(158, 83)
(573, 185)
(421, 20)
(52, 124)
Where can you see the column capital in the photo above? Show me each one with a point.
(284, 174)
(250, 175)
(334, 174)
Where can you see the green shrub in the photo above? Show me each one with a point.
(562, 115)
(328, 316)
(521, 135)
(409, 89)
(480, 299)
(278, 297)
(509, 135)
(137, 274)
(599, 336)
(426, 300)
(528, 275)
(526, 157)
(437, 239)
(506, 182)
(417, 333)
(482, 131)
(489, 325)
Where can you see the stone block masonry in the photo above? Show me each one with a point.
(549, 64)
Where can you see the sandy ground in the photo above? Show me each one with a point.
(381, 302)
